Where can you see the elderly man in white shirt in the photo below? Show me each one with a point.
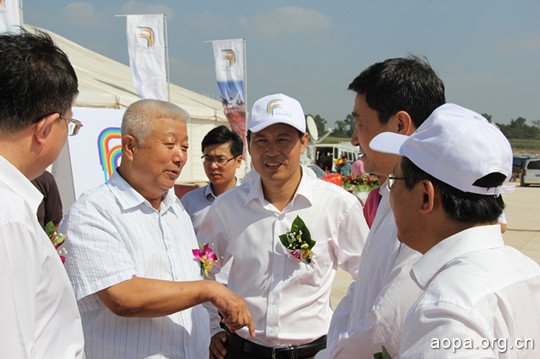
(39, 316)
(480, 298)
(395, 95)
(130, 248)
(287, 287)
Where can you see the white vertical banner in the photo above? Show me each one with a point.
(146, 46)
(10, 15)
(229, 62)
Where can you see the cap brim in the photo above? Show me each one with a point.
(261, 126)
(388, 142)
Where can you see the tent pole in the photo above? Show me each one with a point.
(167, 57)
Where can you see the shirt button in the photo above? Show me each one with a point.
(270, 330)
(273, 302)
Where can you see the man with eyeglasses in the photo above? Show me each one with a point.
(222, 156)
(287, 289)
(38, 311)
(394, 95)
(130, 246)
(479, 297)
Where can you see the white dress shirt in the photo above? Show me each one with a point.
(39, 316)
(197, 203)
(114, 235)
(477, 293)
(374, 309)
(289, 300)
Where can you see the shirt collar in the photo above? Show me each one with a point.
(21, 185)
(304, 189)
(469, 240)
(129, 198)
(208, 193)
(383, 191)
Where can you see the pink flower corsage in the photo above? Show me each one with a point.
(206, 257)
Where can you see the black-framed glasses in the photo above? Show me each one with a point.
(218, 160)
(390, 179)
(74, 125)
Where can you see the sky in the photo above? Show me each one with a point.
(487, 52)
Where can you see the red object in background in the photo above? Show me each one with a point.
(334, 178)
(181, 190)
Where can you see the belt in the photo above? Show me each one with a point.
(308, 350)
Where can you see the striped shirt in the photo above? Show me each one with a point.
(114, 234)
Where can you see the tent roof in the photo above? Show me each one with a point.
(106, 83)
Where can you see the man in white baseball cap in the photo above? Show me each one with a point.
(287, 290)
(445, 195)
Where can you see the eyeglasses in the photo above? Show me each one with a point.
(74, 125)
(390, 179)
(218, 160)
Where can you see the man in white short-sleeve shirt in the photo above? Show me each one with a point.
(38, 312)
(130, 254)
(480, 298)
(287, 288)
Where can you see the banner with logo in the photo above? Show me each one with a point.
(229, 61)
(146, 46)
(90, 158)
(10, 16)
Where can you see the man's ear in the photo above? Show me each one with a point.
(405, 125)
(129, 143)
(304, 142)
(43, 127)
(238, 161)
(429, 202)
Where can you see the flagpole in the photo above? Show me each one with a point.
(21, 12)
(247, 160)
(167, 57)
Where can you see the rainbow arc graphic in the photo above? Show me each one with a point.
(147, 34)
(229, 56)
(109, 153)
(272, 105)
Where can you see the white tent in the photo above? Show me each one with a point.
(105, 83)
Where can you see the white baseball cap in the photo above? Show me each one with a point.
(278, 108)
(455, 145)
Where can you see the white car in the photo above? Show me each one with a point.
(530, 174)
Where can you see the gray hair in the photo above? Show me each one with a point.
(139, 115)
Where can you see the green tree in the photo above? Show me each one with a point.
(518, 128)
(345, 128)
(488, 117)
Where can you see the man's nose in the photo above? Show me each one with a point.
(354, 137)
(179, 155)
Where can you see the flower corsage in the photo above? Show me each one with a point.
(298, 241)
(206, 258)
(57, 239)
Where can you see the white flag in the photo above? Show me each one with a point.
(146, 45)
(10, 15)
(229, 60)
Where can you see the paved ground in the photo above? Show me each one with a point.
(523, 231)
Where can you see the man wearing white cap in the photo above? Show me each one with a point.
(480, 298)
(286, 232)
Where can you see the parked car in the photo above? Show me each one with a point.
(530, 174)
